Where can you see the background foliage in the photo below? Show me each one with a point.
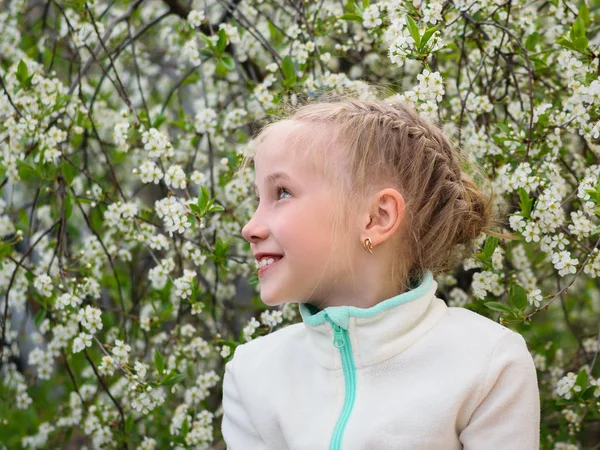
(123, 269)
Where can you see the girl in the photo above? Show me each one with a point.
(361, 203)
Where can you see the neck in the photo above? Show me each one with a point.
(366, 284)
(360, 294)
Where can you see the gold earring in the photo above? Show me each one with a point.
(368, 245)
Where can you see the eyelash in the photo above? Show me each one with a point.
(278, 189)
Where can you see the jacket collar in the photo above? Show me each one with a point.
(376, 333)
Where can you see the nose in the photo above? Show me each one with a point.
(255, 230)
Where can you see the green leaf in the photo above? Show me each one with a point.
(172, 378)
(275, 35)
(525, 203)
(5, 250)
(505, 128)
(143, 116)
(166, 313)
(366, 3)
(351, 16)
(22, 73)
(564, 42)
(129, 423)
(287, 66)
(68, 206)
(491, 243)
(159, 362)
(577, 30)
(593, 194)
(61, 100)
(532, 40)
(159, 121)
(497, 306)
(27, 172)
(222, 42)
(208, 41)
(68, 434)
(584, 13)
(589, 393)
(581, 380)
(426, 36)
(518, 297)
(216, 208)
(69, 172)
(289, 72)
(228, 62)
(581, 44)
(203, 198)
(413, 30)
(185, 427)
(180, 124)
(39, 317)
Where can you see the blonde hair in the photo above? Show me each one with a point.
(388, 144)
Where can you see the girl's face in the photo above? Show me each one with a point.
(294, 219)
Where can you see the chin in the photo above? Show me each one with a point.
(270, 301)
(274, 299)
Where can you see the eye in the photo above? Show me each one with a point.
(280, 190)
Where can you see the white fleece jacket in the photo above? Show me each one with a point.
(408, 373)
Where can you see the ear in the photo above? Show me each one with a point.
(386, 213)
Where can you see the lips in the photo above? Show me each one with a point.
(262, 270)
(260, 255)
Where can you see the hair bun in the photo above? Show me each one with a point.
(475, 208)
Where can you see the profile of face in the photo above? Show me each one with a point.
(294, 219)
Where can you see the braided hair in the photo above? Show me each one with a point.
(362, 146)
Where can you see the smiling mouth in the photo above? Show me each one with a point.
(262, 270)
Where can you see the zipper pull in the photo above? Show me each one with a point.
(338, 341)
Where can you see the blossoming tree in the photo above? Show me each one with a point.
(122, 267)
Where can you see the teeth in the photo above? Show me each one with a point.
(265, 262)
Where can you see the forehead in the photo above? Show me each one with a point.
(287, 147)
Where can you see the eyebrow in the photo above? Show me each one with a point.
(271, 178)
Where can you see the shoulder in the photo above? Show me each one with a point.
(468, 324)
(264, 349)
(479, 336)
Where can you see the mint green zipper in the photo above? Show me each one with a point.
(341, 340)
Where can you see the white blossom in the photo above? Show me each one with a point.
(564, 263)
(271, 318)
(175, 177)
(250, 328)
(183, 285)
(157, 144)
(120, 352)
(150, 172)
(67, 300)
(205, 120)
(43, 284)
(565, 385)
(195, 18)
(174, 214)
(82, 341)
(90, 318)
(535, 297)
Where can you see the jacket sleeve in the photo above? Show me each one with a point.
(508, 410)
(237, 428)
